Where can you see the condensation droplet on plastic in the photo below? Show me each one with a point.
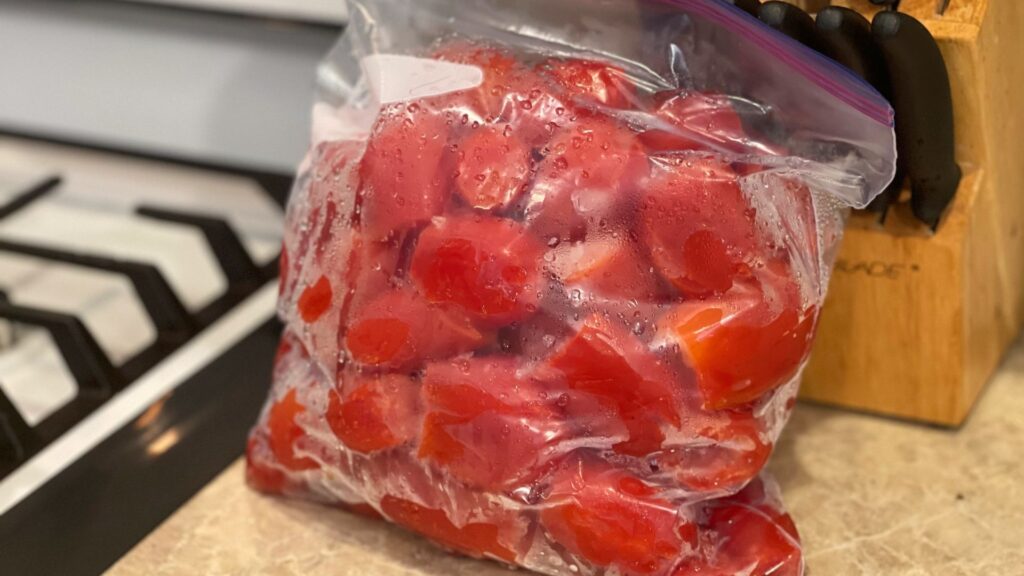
(554, 242)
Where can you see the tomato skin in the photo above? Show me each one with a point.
(378, 413)
(698, 226)
(488, 267)
(285, 432)
(400, 330)
(404, 177)
(474, 539)
(588, 82)
(744, 344)
(610, 365)
(591, 170)
(493, 169)
(613, 519)
(486, 424)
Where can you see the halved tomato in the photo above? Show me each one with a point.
(588, 81)
(698, 226)
(493, 167)
(486, 424)
(400, 330)
(614, 520)
(608, 363)
(404, 179)
(285, 432)
(590, 171)
(375, 412)
(488, 267)
(744, 344)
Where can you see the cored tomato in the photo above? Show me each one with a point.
(588, 82)
(285, 432)
(591, 170)
(743, 344)
(405, 180)
(493, 167)
(375, 412)
(400, 330)
(614, 520)
(698, 226)
(486, 424)
(608, 363)
(489, 267)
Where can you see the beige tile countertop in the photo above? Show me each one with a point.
(872, 497)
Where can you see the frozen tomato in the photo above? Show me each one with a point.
(608, 363)
(261, 475)
(476, 539)
(404, 178)
(510, 93)
(374, 412)
(400, 330)
(741, 345)
(488, 267)
(751, 542)
(368, 270)
(493, 167)
(695, 121)
(591, 169)
(614, 520)
(726, 453)
(285, 432)
(486, 424)
(698, 226)
(607, 266)
(588, 82)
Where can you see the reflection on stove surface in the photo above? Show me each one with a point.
(107, 265)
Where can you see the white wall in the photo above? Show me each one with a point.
(330, 11)
(166, 81)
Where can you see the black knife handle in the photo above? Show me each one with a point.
(791, 21)
(923, 101)
(845, 36)
(751, 7)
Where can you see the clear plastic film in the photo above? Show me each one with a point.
(550, 275)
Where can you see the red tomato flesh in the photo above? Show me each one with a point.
(378, 414)
(488, 267)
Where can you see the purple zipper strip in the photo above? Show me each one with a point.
(826, 73)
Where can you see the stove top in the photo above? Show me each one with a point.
(136, 340)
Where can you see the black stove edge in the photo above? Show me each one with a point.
(96, 510)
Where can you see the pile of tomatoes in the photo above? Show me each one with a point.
(554, 320)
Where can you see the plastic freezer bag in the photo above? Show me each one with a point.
(552, 269)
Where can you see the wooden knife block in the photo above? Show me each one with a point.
(916, 322)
